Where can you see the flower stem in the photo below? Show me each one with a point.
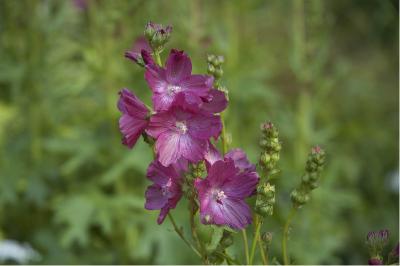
(257, 223)
(264, 255)
(285, 235)
(180, 233)
(158, 58)
(246, 246)
(223, 135)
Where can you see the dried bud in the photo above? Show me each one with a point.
(376, 242)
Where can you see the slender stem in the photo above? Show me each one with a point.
(223, 135)
(246, 246)
(179, 232)
(158, 58)
(193, 225)
(257, 223)
(264, 255)
(285, 235)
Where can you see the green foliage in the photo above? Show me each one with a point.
(324, 72)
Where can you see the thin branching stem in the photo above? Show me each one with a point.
(285, 236)
(180, 233)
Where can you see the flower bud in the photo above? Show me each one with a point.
(265, 199)
(266, 237)
(375, 261)
(157, 35)
(309, 181)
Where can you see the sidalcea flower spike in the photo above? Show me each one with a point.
(134, 117)
(175, 79)
(222, 195)
(180, 133)
(166, 191)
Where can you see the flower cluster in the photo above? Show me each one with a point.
(376, 242)
(183, 121)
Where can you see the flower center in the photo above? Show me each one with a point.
(165, 190)
(181, 126)
(219, 195)
(172, 89)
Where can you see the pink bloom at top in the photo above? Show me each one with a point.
(223, 192)
(135, 53)
(166, 191)
(237, 155)
(134, 117)
(181, 133)
(176, 78)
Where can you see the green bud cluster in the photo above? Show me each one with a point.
(215, 65)
(309, 181)
(217, 256)
(197, 170)
(157, 35)
(270, 146)
(265, 199)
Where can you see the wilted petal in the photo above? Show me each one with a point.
(134, 117)
(155, 199)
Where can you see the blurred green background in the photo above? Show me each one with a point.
(325, 72)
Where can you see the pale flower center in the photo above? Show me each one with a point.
(181, 126)
(172, 89)
(219, 195)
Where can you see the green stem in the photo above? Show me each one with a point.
(255, 240)
(285, 235)
(246, 246)
(223, 135)
(158, 58)
(179, 232)
(264, 255)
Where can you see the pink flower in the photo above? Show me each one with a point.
(176, 78)
(222, 194)
(181, 133)
(237, 155)
(134, 117)
(166, 191)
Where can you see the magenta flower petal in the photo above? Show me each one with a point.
(178, 66)
(204, 126)
(222, 195)
(240, 159)
(166, 191)
(199, 84)
(216, 102)
(176, 81)
(182, 134)
(134, 117)
(212, 155)
(242, 186)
